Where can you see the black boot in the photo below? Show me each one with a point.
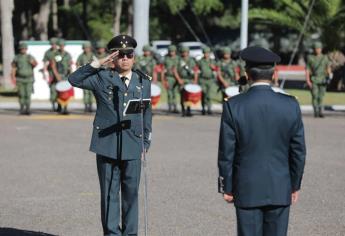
(54, 106)
(169, 108)
(86, 108)
(27, 110)
(64, 111)
(189, 113)
(175, 109)
(59, 108)
(21, 110)
(90, 108)
(209, 110)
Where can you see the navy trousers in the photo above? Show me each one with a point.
(116, 175)
(263, 221)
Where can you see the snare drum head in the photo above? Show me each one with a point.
(63, 86)
(278, 90)
(232, 91)
(155, 90)
(192, 88)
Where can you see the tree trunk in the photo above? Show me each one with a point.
(24, 24)
(42, 20)
(6, 7)
(130, 18)
(117, 17)
(54, 16)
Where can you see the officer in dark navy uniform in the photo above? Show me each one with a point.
(116, 137)
(261, 150)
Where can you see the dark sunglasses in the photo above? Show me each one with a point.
(129, 55)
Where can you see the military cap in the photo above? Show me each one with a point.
(184, 49)
(87, 44)
(23, 45)
(172, 48)
(146, 48)
(53, 40)
(317, 45)
(100, 44)
(61, 42)
(226, 50)
(206, 49)
(122, 42)
(258, 56)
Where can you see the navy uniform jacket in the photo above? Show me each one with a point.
(261, 148)
(115, 135)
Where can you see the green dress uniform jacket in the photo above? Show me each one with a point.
(259, 164)
(115, 135)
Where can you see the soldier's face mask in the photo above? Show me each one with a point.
(129, 55)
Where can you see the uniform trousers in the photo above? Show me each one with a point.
(263, 221)
(119, 184)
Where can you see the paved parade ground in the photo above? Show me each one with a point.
(49, 183)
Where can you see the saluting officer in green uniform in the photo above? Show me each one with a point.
(146, 63)
(206, 79)
(228, 74)
(83, 59)
(318, 71)
(116, 137)
(48, 74)
(61, 66)
(170, 65)
(22, 75)
(185, 75)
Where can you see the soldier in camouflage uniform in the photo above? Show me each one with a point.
(83, 59)
(228, 74)
(169, 81)
(207, 78)
(318, 71)
(22, 75)
(146, 63)
(48, 74)
(185, 74)
(61, 66)
(100, 50)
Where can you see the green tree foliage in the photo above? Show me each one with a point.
(327, 18)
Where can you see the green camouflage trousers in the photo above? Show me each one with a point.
(25, 88)
(318, 92)
(206, 86)
(172, 91)
(87, 97)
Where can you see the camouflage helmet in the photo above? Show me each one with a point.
(87, 44)
(184, 49)
(61, 42)
(226, 50)
(206, 49)
(317, 45)
(23, 45)
(172, 48)
(53, 40)
(100, 44)
(146, 48)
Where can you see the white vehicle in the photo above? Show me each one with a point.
(195, 49)
(160, 47)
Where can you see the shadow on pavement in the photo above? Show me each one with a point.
(19, 232)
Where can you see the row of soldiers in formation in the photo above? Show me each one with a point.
(175, 71)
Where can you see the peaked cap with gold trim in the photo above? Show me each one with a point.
(122, 42)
